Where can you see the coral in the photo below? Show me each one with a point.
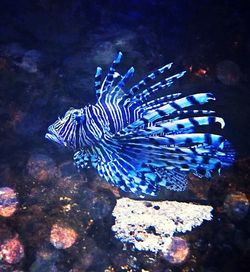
(149, 225)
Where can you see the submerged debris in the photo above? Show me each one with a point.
(149, 225)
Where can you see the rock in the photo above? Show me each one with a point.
(78, 75)
(178, 251)
(70, 181)
(30, 61)
(74, 62)
(236, 205)
(28, 123)
(11, 251)
(45, 260)
(67, 170)
(12, 50)
(104, 52)
(5, 172)
(41, 167)
(8, 201)
(98, 204)
(61, 236)
(228, 72)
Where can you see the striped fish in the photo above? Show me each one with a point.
(138, 143)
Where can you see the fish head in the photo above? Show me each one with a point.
(65, 131)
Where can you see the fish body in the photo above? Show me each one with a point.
(138, 143)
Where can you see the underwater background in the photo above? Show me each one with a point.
(54, 218)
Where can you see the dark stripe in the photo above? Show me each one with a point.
(188, 141)
(88, 134)
(145, 121)
(134, 89)
(171, 141)
(146, 80)
(77, 136)
(124, 111)
(175, 106)
(96, 119)
(68, 132)
(141, 84)
(185, 166)
(161, 112)
(64, 127)
(205, 160)
(193, 122)
(208, 138)
(217, 166)
(110, 119)
(109, 78)
(157, 72)
(201, 170)
(180, 126)
(98, 77)
(192, 100)
(211, 120)
(221, 139)
(210, 95)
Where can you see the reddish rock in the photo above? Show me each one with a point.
(62, 236)
(41, 167)
(8, 201)
(228, 72)
(236, 205)
(11, 251)
(178, 251)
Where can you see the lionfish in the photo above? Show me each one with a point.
(139, 144)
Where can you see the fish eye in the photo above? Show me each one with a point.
(77, 115)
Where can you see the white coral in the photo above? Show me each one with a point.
(149, 225)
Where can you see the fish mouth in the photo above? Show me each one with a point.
(52, 137)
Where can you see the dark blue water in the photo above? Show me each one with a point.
(49, 51)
